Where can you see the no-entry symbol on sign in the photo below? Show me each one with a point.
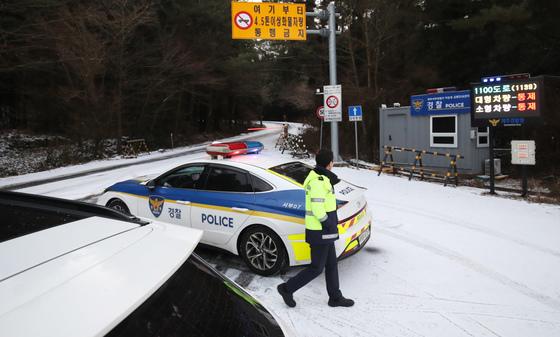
(243, 20)
(332, 102)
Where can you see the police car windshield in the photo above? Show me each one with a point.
(297, 171)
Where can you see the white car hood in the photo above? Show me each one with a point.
(97, 281)
(36, 248)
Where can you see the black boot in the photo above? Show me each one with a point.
(341, 302)
(286, 295)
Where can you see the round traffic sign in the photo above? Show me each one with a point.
(332, 101)
(243, 20)
(320, 112)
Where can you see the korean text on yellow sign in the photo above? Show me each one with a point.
(268, 21)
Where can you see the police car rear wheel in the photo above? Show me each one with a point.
(262, 251)
(118, 205)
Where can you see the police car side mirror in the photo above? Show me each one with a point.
(151, 185)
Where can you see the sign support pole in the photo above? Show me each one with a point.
(331, 32)
(356, 134)
(321, 136)
(523, 170)
(355, 115)
(492, 173)
(332, 74)
(524, 183)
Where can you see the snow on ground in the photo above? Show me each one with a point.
(442, 261)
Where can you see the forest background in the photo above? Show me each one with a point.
(89, 71)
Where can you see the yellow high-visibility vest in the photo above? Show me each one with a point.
(319, 199)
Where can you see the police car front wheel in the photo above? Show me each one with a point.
(118, 205)
(262, 250)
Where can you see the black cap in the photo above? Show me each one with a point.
(324, 157)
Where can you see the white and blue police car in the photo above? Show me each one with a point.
(255, 212)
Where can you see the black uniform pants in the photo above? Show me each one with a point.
(323, 256)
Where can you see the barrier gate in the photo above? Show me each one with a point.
(417, 168)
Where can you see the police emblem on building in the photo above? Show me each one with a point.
(156, 205)
(417, 104)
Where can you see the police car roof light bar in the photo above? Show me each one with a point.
(230, 149)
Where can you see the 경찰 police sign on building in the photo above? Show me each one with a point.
(452, 102)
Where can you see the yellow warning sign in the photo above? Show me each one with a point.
(268, 21)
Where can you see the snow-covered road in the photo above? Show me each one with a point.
(442, 261)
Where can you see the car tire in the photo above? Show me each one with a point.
(262, 250)
(119, 206)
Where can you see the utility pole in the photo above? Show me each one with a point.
(330, 32)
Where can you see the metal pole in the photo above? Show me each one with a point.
(321, 136)
(332, 74)
(523, 169)
(356, 133)
(524, 183)
(492, 174)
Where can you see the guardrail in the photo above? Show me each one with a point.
(417, 168)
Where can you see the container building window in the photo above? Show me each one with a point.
(482, 136)
(443, 131)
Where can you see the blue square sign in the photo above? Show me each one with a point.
(355, 113)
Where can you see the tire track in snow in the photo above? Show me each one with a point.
(244, 279)
(510, 317)
(455, 324)
(485, 327)
(344, 323)
(470, 226)
(466, 262)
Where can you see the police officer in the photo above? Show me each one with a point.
(320, 232)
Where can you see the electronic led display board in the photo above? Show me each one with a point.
(508, 99)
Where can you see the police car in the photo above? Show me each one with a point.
(74, 269)
(257, 213)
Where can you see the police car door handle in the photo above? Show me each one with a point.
(240, 209)
(184, 202)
